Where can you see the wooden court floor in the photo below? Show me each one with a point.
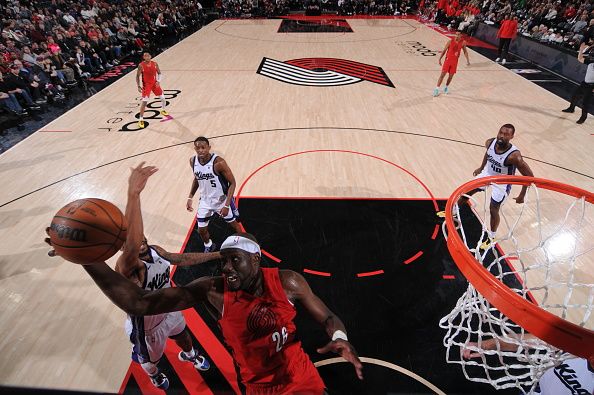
(364, 139)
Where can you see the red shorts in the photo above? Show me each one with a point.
(305, 380)
(449, 67)
(154, 87)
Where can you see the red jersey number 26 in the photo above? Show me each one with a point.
(280, 338)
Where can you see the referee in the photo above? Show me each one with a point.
(585, 55)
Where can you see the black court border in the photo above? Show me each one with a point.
(482, 146)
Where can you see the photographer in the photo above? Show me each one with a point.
(585, 55)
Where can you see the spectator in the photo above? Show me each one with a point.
(19, 87)
(507, 32)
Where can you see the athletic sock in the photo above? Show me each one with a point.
(208, 244)
(190, 354)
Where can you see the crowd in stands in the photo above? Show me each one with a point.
(268, 8)
(559, 23)
(49, 49)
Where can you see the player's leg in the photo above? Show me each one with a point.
(498, 195)
(146, 93)
(180, 334)
(203, 216)
(449, 80)
(148, 350)
(439, 81)
(158, 91)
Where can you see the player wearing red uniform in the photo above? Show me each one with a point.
(453, 48)
(151, 78)
(270, 358)
(255, 310)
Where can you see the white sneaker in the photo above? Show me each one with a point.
(503, 61)
(497, 60)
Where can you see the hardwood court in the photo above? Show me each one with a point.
(363, 140)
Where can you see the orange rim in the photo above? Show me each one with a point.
(554, 330)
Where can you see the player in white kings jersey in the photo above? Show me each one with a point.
(502, 158)
(573, 376)
(214, 179)
(150, 268)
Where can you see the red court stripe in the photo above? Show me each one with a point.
(513, 258)
(435, 232)
(367, 274)
(324, 274)
(269, 255)
(126, 379)
(143, 381)
(448, 277)
(413, 258)
(217, 352)
(192, 380)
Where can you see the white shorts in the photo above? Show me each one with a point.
(498, 191)
(206, 211)
(149, 345)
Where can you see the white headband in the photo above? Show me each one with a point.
(241, 243)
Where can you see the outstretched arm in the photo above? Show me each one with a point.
(517, 160)
(491, 344)
(187, 259)
(298, 289)
(223, 169)
(136, 301)
(128, 262)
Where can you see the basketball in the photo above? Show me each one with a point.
(88, 230)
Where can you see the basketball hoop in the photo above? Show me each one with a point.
(543, 292)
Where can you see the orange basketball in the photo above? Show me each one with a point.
(88, 230)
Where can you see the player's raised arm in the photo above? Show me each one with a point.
(128, 262)
(299, 290)
(138, 302)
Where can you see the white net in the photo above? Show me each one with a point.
(543, 252)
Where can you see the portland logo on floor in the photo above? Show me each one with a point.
(322, 72)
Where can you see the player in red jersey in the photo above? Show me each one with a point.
(151, 82)
(453, 48)
(256, 314)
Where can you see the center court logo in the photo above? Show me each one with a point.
(322, 72)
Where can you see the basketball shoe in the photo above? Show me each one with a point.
(199, 361)
(159, 380)
(164, 113)
(141, 124)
